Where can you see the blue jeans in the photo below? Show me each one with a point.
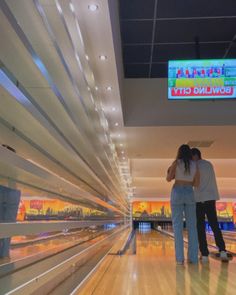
(183, 205)
(9, 202)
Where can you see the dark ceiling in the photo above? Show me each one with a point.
(155, 31)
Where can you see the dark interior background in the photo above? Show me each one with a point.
(155, 31)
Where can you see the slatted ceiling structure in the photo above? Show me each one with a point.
(58, 124)
(35, 179)
(152, 128)
(156, 31)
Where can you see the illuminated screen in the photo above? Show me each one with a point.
(202, 79)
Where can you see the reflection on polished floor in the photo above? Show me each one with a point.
(153, 271)
(44, 247)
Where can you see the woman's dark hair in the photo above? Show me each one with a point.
(195, 152)
(184, 154)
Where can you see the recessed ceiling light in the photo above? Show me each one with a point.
(91, 96)
(121, 144)
(108, 88)
(116, 124)
(123, 158)
(59, 8)
(118, 135)
(122, 152)
(77, 56)
(103, 57)
(96, 88)
(87, 57)
(93, 7)
(72, 7)
(113, 109)
(88, 88)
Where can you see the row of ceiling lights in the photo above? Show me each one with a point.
(102, 57)
(93, 8)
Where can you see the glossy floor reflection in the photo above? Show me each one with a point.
(153, 271)
(13, 280)
(46, 247)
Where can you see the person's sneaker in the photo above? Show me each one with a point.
(179, 262)
(204, 259)
(224, 256)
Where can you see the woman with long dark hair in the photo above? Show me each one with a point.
(186, 175)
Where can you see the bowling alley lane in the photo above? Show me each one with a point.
(153, 271)
(229, 238)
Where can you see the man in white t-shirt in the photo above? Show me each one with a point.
(206, 195)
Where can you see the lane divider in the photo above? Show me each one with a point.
(92, 271)
(170, 234)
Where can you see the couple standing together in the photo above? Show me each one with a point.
(190, 171)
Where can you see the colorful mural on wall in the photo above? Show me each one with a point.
(33, 208)
(157, 209)
(226, 211)
(234, 212)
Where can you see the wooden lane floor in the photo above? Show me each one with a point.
(153, 271)
(229, 238)
(230, 241)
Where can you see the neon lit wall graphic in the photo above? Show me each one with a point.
(225, 210)
(46, 208)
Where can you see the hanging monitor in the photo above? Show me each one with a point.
(202, 79)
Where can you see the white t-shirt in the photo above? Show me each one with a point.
(207, 190)
(181, 174)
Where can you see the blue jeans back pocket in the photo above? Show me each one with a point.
(176, 196)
